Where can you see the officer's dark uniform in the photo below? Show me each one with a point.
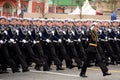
(92, 51)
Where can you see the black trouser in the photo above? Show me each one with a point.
(80, 50)
(92, 52)
(115, 47)
(38, 50)
(73, 53)
(107, 47)
(29, 54)
(17, 55)
(62, 54)
(102, 53)
(6, 59)
(51, 54)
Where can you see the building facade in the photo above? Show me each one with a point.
(9, 7)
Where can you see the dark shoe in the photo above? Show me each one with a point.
(25, 70)
(60, 68)
(105, 74)
(79, 66)
(83, 75)
(71, 66)
(37, 68)
(5, 71)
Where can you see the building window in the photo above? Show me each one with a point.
(37, 9)
(7, 9)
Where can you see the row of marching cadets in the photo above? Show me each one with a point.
(46, 41)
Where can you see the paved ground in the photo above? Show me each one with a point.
(93, 73)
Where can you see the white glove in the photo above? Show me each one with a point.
(115, 38)
(69, 40)
(64, 32)
(1, 41)
(29, 32)
(17, 32)
(40, 34)
(24, 41)
(6, 32)
(79, 40)
(109, 30)
(106, 38)
(34, 42)
(47, 40)
(82, 32)
(60, 40)
(100, 31)
(12, 40)
(87, 39)
(73, 33)
(53, 32)
(118, 32)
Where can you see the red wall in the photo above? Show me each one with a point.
(34, 4)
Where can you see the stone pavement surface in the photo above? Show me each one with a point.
(93, 73)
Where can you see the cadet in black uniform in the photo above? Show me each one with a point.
(47, 34)
(14, 49)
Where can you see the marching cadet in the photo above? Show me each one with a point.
(99, 47)
(13, 46)
(70, 48)
(47, 34)
(25, 39)
(58, 44)
(113, 38)
(92, 51)
(85, 30)
(5, 58)
(77, 39)
(37, 46)
(104, 39)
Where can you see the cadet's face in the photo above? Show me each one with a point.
(88, 23)
(66, 23)
(13, 22)
(18, 22)
(115, 24)
(106, 24)
(43, 23)
(71, 24)
(49, 23)
(38, 23)
(79, 23)
(2, 21)
(7, 22)
(60, 24)
(99, 24)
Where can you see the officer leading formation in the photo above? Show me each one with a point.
(24, 41)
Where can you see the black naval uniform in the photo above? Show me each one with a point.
(14, 49)
(59, 47)
(37, 48)
(5, 58)
(70, 48)
(49, 47)
(25, 38)
(92, 51)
